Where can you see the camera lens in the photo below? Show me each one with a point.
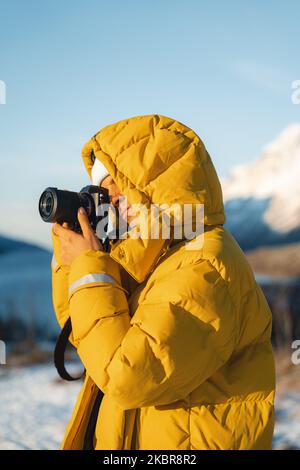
(47, 205)
(56, 205)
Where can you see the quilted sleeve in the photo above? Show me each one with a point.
(161, 353)
(60, 279)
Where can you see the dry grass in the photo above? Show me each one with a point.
(287, 373)
(27, 352)
(277, 260)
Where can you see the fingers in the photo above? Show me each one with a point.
(62, 232)
(83, 219)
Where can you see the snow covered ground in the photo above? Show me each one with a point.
(287, 430)
(35, 407)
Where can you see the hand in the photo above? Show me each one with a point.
(73, 244)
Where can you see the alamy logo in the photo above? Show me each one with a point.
(295, 357)
(296, 93)
(159, 221)
(2, 92)
(2, 352)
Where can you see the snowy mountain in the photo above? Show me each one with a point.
(25, 292)
(262, 198)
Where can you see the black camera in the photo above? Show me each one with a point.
(56, 205)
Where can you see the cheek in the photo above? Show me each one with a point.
(113, 190)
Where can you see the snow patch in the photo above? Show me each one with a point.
(35, 408)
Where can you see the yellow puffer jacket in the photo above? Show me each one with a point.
(177, 339)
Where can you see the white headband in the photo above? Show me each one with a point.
(98, 173)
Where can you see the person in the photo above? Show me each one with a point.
(177, 339)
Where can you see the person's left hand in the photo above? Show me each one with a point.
(73, 244)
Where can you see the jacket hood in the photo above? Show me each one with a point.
(155, 159)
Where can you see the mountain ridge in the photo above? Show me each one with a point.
(262, 198)
(8, 244)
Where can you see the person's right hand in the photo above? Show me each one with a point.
(56, 243)
(74, 244)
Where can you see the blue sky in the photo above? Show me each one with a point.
(74, 66)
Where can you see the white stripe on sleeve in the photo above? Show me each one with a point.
(90, 279)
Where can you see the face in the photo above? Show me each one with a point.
(117, 198)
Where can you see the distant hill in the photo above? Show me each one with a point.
(10, 244)
(25, 292)
(262, 198)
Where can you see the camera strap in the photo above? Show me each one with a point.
(88, 443)
(59, 352)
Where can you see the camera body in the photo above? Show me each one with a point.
(56, 205)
